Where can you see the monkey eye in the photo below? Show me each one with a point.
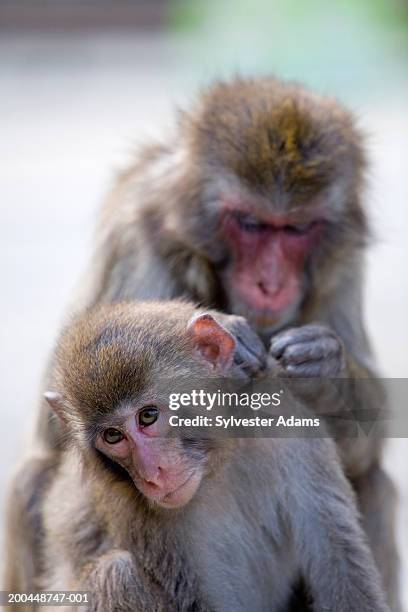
(148, 416)
(300, 228)
(249, 223)
(112, 435)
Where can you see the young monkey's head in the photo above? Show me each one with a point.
(111, 363)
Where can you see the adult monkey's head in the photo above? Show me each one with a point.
(272, 177)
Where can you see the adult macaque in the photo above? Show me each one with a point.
(254, 207)
(146, 520)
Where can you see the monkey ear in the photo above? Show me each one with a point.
(56, 402)
(212, 341)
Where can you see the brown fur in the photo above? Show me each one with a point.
(275, 137)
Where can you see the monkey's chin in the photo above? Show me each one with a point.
(180, 496)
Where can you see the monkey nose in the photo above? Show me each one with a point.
(262, 287)
(269, 290)
(152, 477)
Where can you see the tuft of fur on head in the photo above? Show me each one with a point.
(275, 136)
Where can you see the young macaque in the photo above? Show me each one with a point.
(146, 519)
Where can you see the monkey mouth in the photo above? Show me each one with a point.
(265, 308)
(264, 319)
(177, 497)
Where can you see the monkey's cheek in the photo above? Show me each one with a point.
(183, 494)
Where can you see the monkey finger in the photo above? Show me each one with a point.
(304, 370)
(283, 339)
(301, 352)
(248, 360)
(250, 352)
(252, 344)
(324, 368)
(298, 334)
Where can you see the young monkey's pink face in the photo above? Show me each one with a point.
(166, 469)
(161, 468)
(158, 465)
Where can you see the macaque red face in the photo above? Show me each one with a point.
(268, 254)
(105, 360)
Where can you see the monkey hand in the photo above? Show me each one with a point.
(250, 354)
(312, 350)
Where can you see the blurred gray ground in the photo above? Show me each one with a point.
(72, 108)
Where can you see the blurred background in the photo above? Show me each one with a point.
(83, 83)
